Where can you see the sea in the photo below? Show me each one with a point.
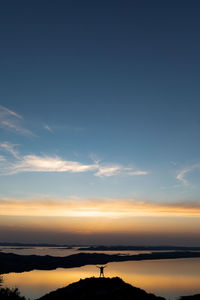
(167, 278)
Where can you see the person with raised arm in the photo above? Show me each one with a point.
(101, 270)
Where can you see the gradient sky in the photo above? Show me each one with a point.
(99, 121)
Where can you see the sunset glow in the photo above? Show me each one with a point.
(99, 123)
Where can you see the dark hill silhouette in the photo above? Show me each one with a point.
(100, 288)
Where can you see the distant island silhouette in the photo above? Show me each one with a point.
(137, 248)
(101, 247)
(10, 262)
(193, 297)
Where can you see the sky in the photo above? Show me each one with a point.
(99, 122)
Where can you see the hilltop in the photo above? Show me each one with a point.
(100, 288)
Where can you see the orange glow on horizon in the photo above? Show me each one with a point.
(99, 216)
(112, 208)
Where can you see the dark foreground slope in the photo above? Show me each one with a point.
(100, 288)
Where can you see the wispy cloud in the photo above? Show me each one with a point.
(112, 170)
(180, 176)
(182, 173)
(7, 112)
(37, 163)
(48, 128)
(69, 128)
(12, 121)
(107, 171)
(137, 173)
(33, 163)
(10, 148)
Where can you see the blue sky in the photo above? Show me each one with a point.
(100, 99)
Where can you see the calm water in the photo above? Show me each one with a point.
(167, 278)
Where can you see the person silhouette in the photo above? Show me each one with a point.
(101, 270)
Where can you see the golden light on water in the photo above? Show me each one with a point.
(162, 277)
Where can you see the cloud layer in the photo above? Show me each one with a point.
(109, 207)
(98, 221)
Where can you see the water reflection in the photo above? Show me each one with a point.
(167, 278)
